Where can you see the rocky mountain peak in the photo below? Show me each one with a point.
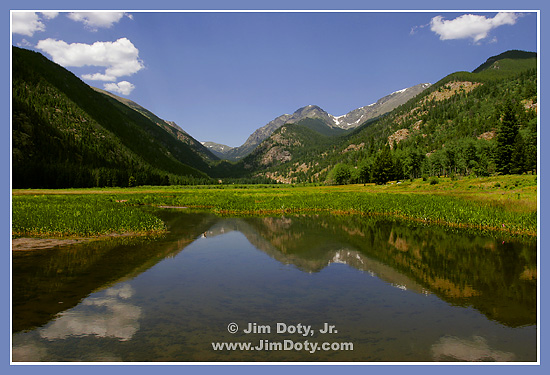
(308, 110)
(348, 121)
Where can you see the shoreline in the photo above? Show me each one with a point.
(43, 243)
(32, 244)
(502, 205)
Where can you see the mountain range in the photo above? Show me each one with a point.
(68, 134)
(450, 128)
(333, 124)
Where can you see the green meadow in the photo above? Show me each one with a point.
(505, 204)
(78, 215)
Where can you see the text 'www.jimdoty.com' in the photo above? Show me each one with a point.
(305, 331)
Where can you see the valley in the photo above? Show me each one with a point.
(328, 124)
(375, 178)
(452, 127)
(464, 129)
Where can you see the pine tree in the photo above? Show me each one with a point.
(364, 173)
(413, 163)
(505, 139)
(383, 170)
(397, 169)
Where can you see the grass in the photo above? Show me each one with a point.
(72, 215)
(504, 204)
(511, 193)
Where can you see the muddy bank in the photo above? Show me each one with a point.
(29, 243)
(25, 244)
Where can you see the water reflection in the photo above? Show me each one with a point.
(400, 292)
(497, 277)
(46, 282)
(476, 349)
(107, 315)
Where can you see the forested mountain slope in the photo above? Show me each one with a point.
(65, 134)
(170, 126)
(331, 124)
(467, 123)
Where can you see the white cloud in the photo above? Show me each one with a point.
(50, 15)
(470, 25)
(414, 29)
(123, 87)
(95, 20)
(26, 23)
(120, 58)
(24, 43)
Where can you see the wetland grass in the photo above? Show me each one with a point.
(78, 215)
(504, 204)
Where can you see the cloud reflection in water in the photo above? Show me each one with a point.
(105, 316)
(475, 350)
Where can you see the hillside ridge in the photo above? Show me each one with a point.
(348, 121)
(67, 134)
(452, 127)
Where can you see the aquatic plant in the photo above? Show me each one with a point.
(78, 215)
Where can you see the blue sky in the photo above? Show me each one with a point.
(222, 75)
(435, 59)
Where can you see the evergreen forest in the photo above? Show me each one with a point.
(481, 123)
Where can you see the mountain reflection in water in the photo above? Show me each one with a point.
(208, 272)
(464, 269)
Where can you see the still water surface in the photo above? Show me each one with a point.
(395, 291)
